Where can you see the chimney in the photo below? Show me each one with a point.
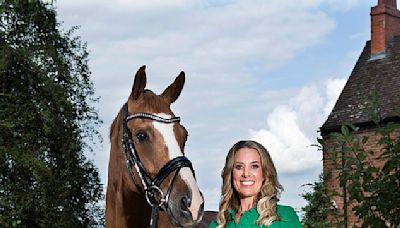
(385, 24)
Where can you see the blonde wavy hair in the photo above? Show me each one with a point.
(269, 193)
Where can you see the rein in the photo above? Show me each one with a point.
(151, 187)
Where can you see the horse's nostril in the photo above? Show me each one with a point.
(185, 203)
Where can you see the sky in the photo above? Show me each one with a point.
(269, 71)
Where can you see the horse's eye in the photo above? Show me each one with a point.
(142, 136)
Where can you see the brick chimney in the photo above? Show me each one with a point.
(385, 24)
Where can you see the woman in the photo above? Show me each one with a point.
(250, 191)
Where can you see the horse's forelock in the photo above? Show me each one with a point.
(153, 103)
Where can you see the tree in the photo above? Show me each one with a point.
(318, 207)
(46, 118)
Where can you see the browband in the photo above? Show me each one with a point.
(152, 117)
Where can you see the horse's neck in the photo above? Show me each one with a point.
(126, 204)
(140, 212)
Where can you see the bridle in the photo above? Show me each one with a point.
(155, 197)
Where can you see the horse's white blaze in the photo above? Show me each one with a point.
(167, 132)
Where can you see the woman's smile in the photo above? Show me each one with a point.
(247, 183)
(247, 173)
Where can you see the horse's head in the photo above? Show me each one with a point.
(157, 140)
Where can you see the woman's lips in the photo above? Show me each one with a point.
(247, 183)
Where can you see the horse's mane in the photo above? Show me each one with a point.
(114, 125)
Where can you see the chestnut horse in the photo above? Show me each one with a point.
(150, 181)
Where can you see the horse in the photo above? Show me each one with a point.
(150, 181)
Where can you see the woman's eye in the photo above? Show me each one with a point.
(238, 167)
(255, 166)
(142, 136)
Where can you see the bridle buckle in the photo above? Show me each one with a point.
(155, 196)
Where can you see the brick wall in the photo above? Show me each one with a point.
(332, 182)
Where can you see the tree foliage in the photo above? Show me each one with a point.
(318, 207)
(45, 119)
(373, 188)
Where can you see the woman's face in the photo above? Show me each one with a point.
(247, 173)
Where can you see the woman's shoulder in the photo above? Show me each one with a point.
(288, 215)
(284, 208)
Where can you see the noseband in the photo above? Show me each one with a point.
(151, 187)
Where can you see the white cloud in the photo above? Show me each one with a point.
(291, 129)
(343, 5)
(334, 87)
(193, 36)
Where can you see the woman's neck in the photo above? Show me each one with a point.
(246, 204)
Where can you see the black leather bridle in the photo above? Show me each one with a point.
(155, 197)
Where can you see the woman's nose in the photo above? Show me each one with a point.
(245, 172)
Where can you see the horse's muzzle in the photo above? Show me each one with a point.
(181, 211)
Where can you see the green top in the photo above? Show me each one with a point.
(288, 216)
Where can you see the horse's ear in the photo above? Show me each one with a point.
(174, 90)
(139, 84)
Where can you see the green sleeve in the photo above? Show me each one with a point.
(213, 224)
(295, 219)
(290, 218)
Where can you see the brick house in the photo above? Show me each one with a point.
(377, 69)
